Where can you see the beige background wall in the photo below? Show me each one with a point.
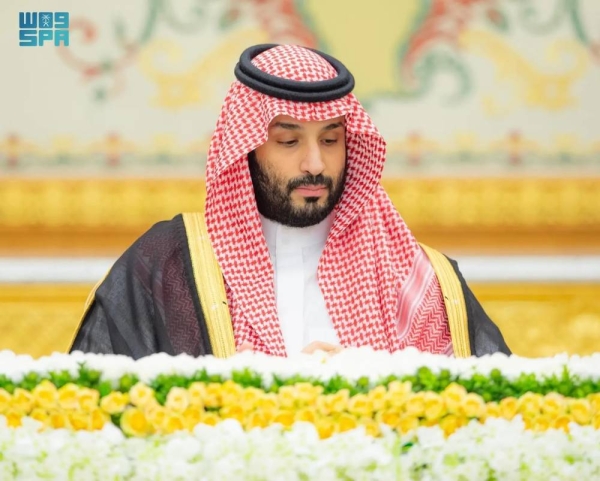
(478, 88)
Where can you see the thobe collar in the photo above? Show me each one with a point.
(281, 238)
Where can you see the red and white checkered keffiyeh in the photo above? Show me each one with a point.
(379, 287)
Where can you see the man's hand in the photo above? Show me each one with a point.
(322, 346)
(246, 346)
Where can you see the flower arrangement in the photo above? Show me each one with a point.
(393, 412)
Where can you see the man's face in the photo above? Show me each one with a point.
(298, 173)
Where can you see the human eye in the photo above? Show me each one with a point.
(330, 141)
(287, 143)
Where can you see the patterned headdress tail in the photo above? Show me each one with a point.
(288, 88)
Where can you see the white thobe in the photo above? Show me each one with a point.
(295, 254)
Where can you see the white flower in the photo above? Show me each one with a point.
(352, 363)
(498, 449)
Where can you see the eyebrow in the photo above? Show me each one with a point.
(288, 126)
(333, 126)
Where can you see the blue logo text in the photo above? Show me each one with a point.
(36, 28)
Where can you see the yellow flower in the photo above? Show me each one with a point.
(580, 410)
(45, 394)
(408, 423)
(287, 397)
(197, 394)
(451, 423)
(177, 400)
(338, 402)
(115, 402)
(378, 398)
(22, 400)
(322, 404)
(58, 419)
(268, 414)
(250, 398)
(192, 417)
(213, 395)
(232, 412)
(415, 404)
(492, 410)
(134, 423)
(67, 396)
(140, 395)
(88, 399)
(434, 407)
(79, 420)
(508, 408)
(307, 414)
(40, 415)
(453, 397)
(346, 422)
(397, 393)
(397, 388)
(333, 403)
(429, 422)
(5, 400)
(596, 421)
(371, 427)
(155, 415)
(594, 400)
(231, 393)
(284, 417)
(210, 418)
(98, 418)
(307, 393)
(529, 420)
(257, 419)
(267, 402)
(173, 422)
(391, 417)
(152, 404)
(542, 422)
(360, 405)
(325, 427)
(562, 422)
(530, 403)
(472, 406)
(553, 405)
(14, 417)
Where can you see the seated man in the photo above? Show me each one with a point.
(299, 247)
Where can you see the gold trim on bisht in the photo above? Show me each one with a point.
(86, 307)
(210, 286)
(454, 301)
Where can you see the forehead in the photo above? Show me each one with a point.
(313, 124)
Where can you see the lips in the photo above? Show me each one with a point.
(314, 190)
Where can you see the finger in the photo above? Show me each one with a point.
(319, 346)
(245, 347)
(315, 346)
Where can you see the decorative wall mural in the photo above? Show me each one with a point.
(481, 87)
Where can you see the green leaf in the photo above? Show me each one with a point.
(127, 382)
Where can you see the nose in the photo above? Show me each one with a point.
(312, 163)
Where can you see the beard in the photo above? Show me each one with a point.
(274, 201)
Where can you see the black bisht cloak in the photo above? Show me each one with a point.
(149, 303)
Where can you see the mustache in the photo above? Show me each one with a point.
(315, 180)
